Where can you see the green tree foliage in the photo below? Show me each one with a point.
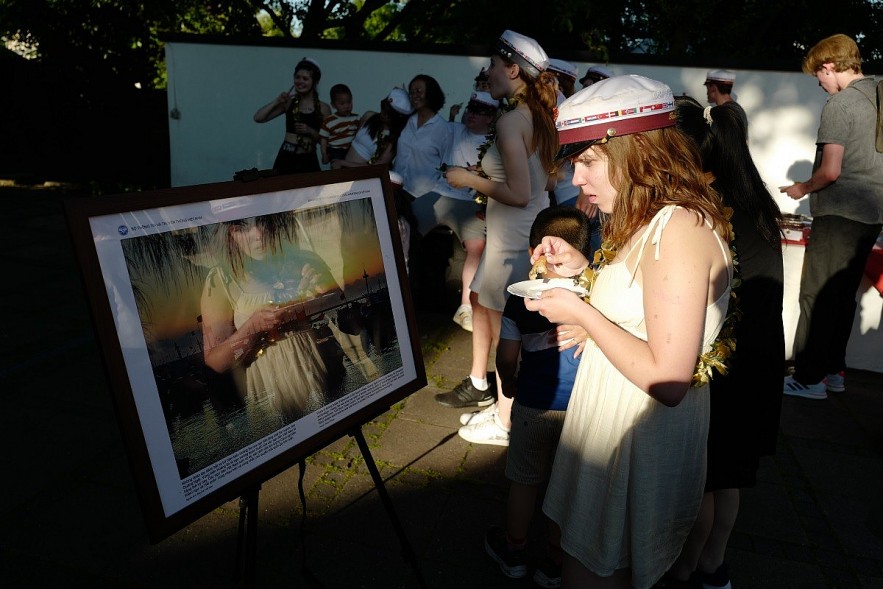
(102, 39)
(91, 43)
(750, 30)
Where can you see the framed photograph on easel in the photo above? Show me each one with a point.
(244, 326)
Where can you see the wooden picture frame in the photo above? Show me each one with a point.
(215, 389)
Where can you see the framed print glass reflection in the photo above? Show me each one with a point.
(245, 325)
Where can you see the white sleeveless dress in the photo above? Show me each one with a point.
(629, 471)
(505, 259)
(291, 372)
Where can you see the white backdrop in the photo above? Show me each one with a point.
(217, 88)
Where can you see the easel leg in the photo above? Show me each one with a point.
(247, 540)
(407, 551)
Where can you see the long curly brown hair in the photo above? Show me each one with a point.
(542, 98)
(651, 170)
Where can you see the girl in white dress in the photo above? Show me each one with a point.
(256, 308)
(630, 466)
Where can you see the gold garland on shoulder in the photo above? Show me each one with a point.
(382, 141)
(724, 346)
(304, 141)
(491, 136)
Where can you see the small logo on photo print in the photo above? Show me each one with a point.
(122, 230)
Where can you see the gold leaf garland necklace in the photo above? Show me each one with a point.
(724, 346)
(382, 140)
(491, 136)
(304, 141)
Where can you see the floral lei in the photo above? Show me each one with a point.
(724, 346)
(491, 137)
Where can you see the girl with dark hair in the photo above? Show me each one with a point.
(422, 144)
(514, 175)
(375, 141)
(745, 402)
(304, 113)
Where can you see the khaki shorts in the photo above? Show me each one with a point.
(460, 216)
(532, 443)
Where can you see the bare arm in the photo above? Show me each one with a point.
(828, 171)
(223, 344)
(272, 109)
(353, 159)
(512, 130)
(323, 146)
(677, 288)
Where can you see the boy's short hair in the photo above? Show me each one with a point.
(339, 89)
(840, 50)
(568, 223)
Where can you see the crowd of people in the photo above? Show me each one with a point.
(624, 380)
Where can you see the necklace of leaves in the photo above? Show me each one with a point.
(723, 346)
(382, 140)
(491, 136)
(304, 141)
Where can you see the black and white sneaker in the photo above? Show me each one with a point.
(465, 395)
(511, 562)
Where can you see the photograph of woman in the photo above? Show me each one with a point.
(257, 305)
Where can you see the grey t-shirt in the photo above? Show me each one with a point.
(849, 119)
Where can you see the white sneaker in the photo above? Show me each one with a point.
(478, 416)
(489, 431)
(796, 389)
(835, 383)
(463, 317)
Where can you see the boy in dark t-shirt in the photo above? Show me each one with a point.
(541, 385)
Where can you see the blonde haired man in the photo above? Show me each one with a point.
(846, 203)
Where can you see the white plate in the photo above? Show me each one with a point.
(532, 289)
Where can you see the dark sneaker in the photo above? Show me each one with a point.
(511, 562)
(719, 579)
(465, 395)
(836, 383)
(548, 574)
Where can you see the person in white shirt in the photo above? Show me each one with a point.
(424, 139)
(456, 208)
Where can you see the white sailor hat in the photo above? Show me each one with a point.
(596, 73)
(620, 105)
(400, 102)
(484, 99)
(524, 52)
(722, 76)
(560, 66)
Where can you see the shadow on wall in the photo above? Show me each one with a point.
(801, 171)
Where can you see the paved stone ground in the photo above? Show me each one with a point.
(70, 515)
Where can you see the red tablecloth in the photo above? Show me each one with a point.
(874, 268)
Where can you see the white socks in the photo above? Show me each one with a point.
(479, 383)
